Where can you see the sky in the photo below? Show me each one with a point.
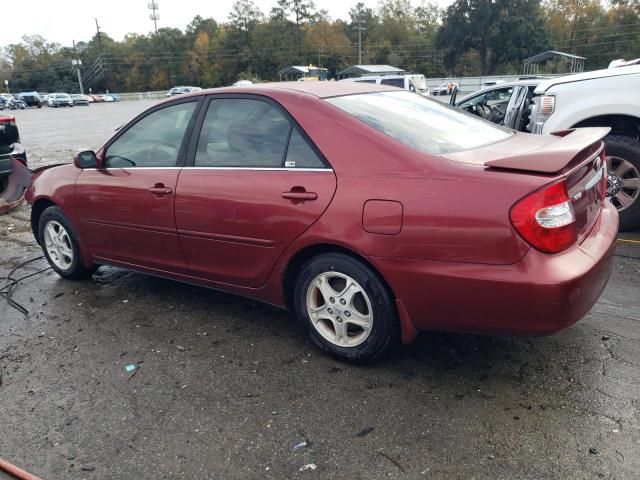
(62, 21)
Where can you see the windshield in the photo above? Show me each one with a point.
(424, 124)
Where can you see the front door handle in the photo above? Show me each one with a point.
(300, 195)
(160, 189)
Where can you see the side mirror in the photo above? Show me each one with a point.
(85, 159)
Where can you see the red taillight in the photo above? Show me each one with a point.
(545, 219)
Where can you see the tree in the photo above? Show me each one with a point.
(302, 12)
(500, 31)
(244, 17)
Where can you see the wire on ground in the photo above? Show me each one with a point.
(10, 283)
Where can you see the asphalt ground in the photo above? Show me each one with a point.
(227, 388)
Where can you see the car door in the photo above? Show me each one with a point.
(256, 183)
(519, 108)
(491, 104)
(126, 207)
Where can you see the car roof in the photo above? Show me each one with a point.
(317, 89)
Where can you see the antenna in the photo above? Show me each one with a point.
(154, 15)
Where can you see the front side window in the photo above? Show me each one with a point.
(242, 133)
(154, 141)
(421, 123)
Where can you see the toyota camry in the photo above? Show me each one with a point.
(370, 213)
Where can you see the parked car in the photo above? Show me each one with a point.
(14, 103)
(492, 103)
(446, 88)
(79, 99)
(491, 83)
(333, 199)
(110, 97)
(30, 98)
(9, 102)
(602, 98)
(60, 100)
(181, 90)
(412, 82)
(623, 63)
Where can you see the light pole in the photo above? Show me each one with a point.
(76, 62)
(6, 84)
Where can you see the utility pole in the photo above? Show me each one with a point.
(104, 69)
(76, 62)
(360, 29)
(154, 15)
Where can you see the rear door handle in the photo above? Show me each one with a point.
(300, 195)
(161, 190)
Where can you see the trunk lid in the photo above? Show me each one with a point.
(553, 154)
(575, 155)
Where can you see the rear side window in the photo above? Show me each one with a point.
(300, 154)
(421, 123)
(242, 133)
(393, 82)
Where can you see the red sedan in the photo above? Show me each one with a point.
(371, 213)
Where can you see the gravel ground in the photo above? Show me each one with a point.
(227, 387)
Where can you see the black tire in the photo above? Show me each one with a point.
(626, 148)
(76, 269)
(385, 328)
(4, 181)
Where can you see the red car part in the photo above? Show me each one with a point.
(18, 182)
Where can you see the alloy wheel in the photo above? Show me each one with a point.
(339, 309)
(623, 182)
(58, 244)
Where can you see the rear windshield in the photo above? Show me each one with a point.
(421, 123)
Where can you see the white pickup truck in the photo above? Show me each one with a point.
(602, 98)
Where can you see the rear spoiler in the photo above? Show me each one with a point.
(554, 155)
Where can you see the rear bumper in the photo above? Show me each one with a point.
(540, 294)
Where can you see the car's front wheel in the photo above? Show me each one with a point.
(60, 246)
(623, 178)
(345, 307)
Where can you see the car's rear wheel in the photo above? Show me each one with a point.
(60, 246)
(623, 178)
(345, 307)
